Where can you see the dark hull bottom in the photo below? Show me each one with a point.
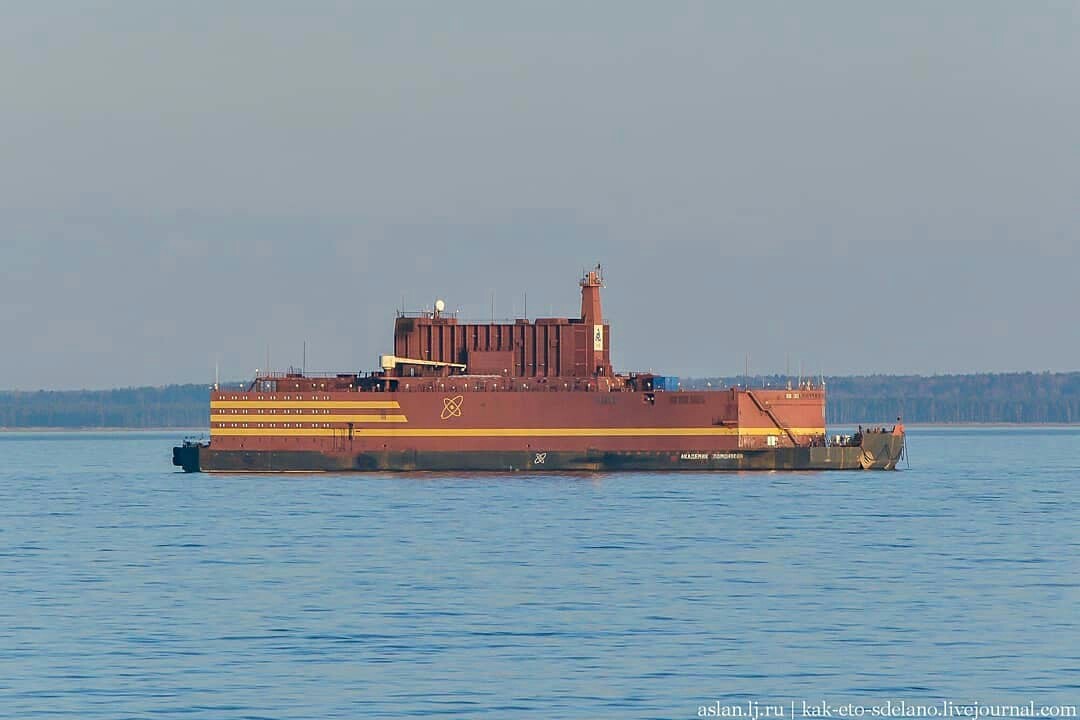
(881, 453)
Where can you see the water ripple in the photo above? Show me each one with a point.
(132, 591)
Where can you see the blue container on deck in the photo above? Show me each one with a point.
(666, 383)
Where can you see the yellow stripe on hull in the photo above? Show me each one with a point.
(298, 417)
(508, 432)
(281, 404)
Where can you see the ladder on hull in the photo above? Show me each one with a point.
(772, 416)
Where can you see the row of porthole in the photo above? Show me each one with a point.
(274, 397)
(273, 425)
(284, 411)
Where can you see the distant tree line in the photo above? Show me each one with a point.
(144, 407)
(976, 398)
(867, 399)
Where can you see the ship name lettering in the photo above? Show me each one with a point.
(727, 456)
(694, 456)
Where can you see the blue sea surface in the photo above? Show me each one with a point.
(131, 590)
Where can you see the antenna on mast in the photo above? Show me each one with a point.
(303, 362)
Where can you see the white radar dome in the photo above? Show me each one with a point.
(439, 306)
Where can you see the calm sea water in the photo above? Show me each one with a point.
(130, 590)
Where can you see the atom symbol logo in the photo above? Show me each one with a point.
(451, 407)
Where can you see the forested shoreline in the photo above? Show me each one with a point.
(976, 398)
(171, 406)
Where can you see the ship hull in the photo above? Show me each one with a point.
(879, 451)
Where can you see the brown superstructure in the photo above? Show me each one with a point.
(520, 395)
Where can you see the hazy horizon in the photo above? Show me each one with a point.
(860, 188)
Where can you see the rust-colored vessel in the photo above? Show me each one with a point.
(537, 395)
